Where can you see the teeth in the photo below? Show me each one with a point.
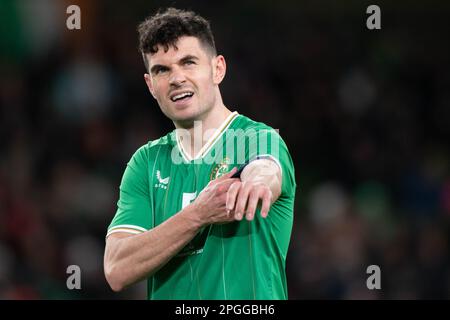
(182, 95)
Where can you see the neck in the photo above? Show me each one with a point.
(202, 129)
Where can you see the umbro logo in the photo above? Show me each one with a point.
(162, 182)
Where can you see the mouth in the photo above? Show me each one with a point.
(181, 96)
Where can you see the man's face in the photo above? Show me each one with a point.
(184, 80)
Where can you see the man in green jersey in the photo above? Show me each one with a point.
(206, 211)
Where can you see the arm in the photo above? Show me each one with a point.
(265, 171)
(260, 181)
(130, 258)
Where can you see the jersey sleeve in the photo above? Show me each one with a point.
(134, 210)
(267, 143)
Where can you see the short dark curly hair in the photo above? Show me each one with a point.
(166, 27)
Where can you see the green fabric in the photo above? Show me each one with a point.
(238, 260)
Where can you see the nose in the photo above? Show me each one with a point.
(177, 77)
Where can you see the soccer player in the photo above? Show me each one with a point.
(206, 211)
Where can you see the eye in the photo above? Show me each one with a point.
(189, 62)
(161, 70)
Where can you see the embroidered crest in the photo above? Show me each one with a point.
(220, 169)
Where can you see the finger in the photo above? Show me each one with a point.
(266, 200)
(224, 186)
(223, 203)
(232, 194)
(252, 203)
(241, 201)
(226, 175)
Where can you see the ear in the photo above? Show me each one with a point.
(148, 81)
(219, 69)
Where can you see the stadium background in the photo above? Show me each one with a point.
(366, 115)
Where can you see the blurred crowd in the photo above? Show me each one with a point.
(365, 114)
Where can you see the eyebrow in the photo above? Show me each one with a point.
(188, 57)
(156, 67)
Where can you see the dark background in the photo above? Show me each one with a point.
(365, 114)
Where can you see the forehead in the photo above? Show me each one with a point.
(185, 46)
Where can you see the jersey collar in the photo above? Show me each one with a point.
(211, 141)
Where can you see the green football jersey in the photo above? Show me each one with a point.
(237, 260)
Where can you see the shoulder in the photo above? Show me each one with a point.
(150, 150)
(252, 127)
(244, 122)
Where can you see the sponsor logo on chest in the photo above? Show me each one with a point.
(161, 182)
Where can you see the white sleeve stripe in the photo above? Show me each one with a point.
(123, 230)
(129, 226)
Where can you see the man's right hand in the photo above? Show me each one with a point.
(210, 205)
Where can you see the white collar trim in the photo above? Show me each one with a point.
(211, 141)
